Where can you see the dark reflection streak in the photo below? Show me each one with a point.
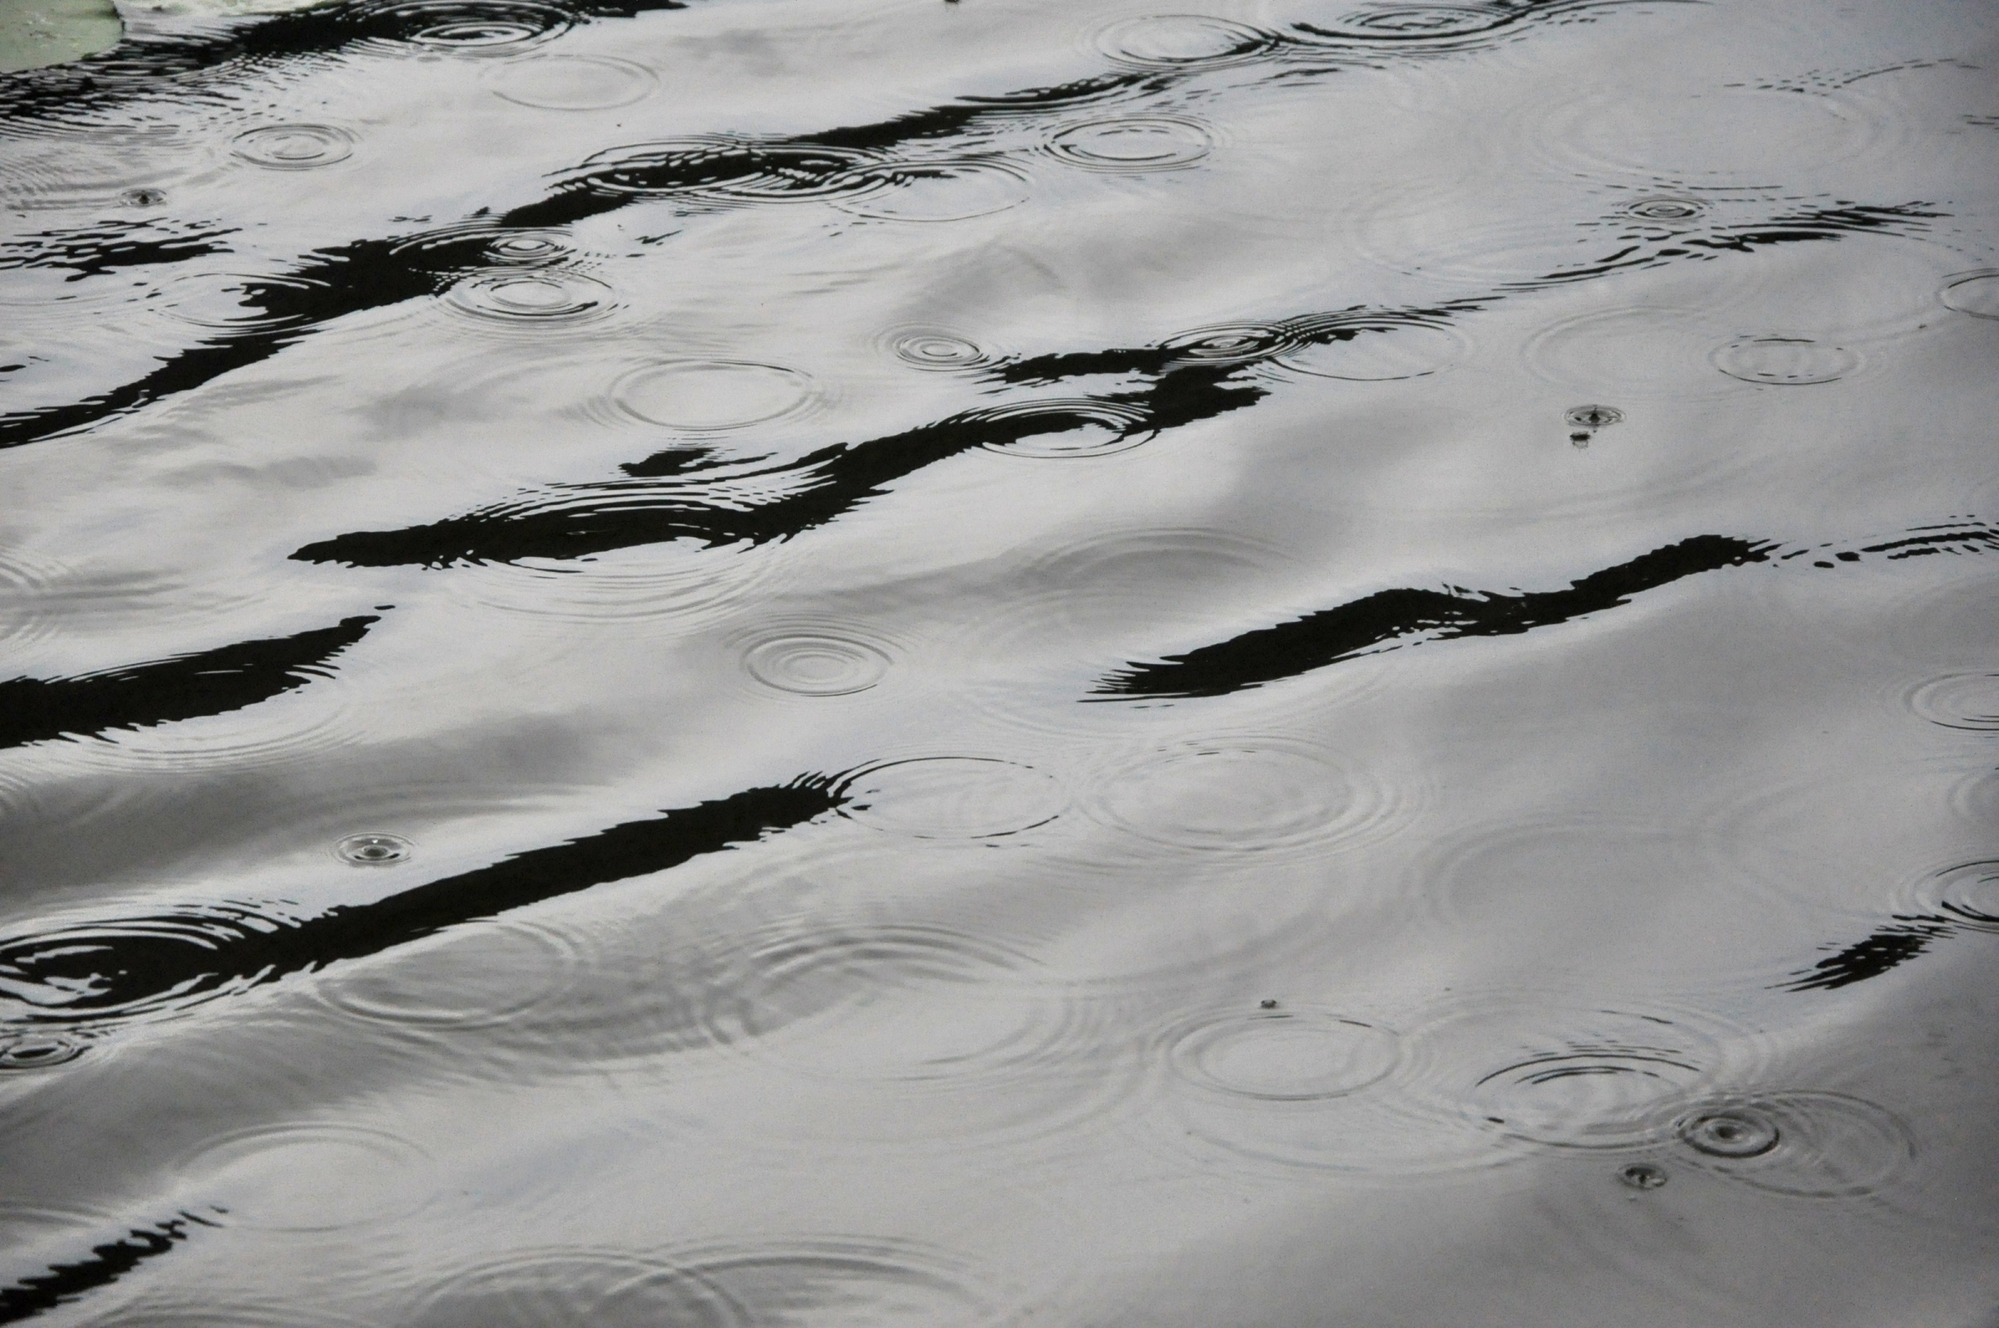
(107, 1263)
(90, 253)
(1389, 618)
(1884, 950)
(326, 285)
(579, 520)
(95, 973)
(212, 682)
(173, 66)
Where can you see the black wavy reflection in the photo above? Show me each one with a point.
(175, 66)
(107, 1263)
(108, 246)
(1390, 618)
(101, 973)
(1654, 243)
(212, 682)
(1887, 948)
(576, 521)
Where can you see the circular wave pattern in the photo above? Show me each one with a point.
(1665, 207)
(1543, 1071)
(112, 971)
(816, 663)
(934, 191)
(1177, 41)
(528, 247)
(539, 298)
(1976, 294)
(1959, 701)
(1242, 796)
(1808, 1145)
(890, 1003)
(1133, 143)
(544, 1288)
(318, 1176)
(769, 1284)
(1084, 428)
(1378, 353)
(1785, 361)
(937, 349)
(952, 797)
(711, 396)
(373, 850)
(1967, 894)
(1593, 416)
(1232, 343)
(240, 303)
(477, 974)
(294, 147)
(471, 27)
(732, 171)
(573, 82)
(1413, 24)
(1289, 1055)
(39, 1051)
(1650, 352)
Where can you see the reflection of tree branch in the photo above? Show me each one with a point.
(212, 682)
(107, 1263)
(90, 974)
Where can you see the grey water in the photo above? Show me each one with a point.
(983, 662)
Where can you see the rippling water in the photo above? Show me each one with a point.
(969, 662)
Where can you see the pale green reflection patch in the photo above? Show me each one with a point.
(34, 33)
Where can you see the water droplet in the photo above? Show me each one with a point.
(1283, 1056)
(294, 147)
(935, 348)
(1810, 1145)
(1232, 343)
(1977, 295)
(934, 191)
(573, 82)
(711, 396)
(143, 197)
(1665, 209)
(1785, 361)
(1732, 1132)
(1174, 41)
(527, 247)
(952, 797)
(1959, 701)
(1077, 427)
(38, 1051)
(318, 1176)
(1642, 1176)
(373, 850)
(1593, 417)
(1133, 143)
